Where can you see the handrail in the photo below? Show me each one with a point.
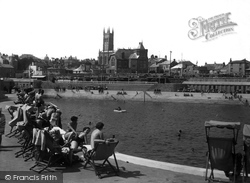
(106, 82)
(217, 79)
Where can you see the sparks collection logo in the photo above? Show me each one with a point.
(211, 28)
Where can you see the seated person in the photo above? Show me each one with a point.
(51, 109)
(61, 136)
(96, 136)
(72, 124)
(47, 112)
(56, 118)
(83, 136)
(119, 109)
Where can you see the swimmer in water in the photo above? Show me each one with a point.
(193, 150)
(179, 133)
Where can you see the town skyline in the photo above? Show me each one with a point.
(62, 28)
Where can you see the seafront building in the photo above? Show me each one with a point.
(239, 81)
(121, 60)
(219, 85)
(129, 61)
(127, 65)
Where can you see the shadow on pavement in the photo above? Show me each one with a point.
(104, 171)
(3, 147)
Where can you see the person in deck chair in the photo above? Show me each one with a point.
(96, 136)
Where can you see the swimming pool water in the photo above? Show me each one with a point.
(150, 129)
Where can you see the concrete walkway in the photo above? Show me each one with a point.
(149, 96)
(132, 169)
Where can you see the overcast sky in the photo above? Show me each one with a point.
(62, 28)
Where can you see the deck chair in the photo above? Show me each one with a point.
(21, 116)
(221, 153)
(16, 116)
(246, 151)
(25, 128)
(101, 153)
(53, 153)
(25, 140)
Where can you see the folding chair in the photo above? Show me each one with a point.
(16, 116)
(246, 151)
(25, 140)
(221, 153)
(25, 128)
(55, 153)
(102, 152)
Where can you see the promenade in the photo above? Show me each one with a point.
(150, 96)
(132, 169)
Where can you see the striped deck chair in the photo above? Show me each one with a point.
(16, 116)
(101, 153)
(221, 153)
(55, 153)
(246, 148)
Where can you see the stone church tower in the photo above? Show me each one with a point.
(108, 47)
(108, 40)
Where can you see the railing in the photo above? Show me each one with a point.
(221, 79)
(106, 82)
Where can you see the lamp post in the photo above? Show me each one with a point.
(170, 64)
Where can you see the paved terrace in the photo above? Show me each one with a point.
(132, 169)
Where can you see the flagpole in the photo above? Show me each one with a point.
(170, 64)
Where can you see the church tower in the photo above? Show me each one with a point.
(108, 40)
(108, 47)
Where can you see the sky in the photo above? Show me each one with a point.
(60, 28)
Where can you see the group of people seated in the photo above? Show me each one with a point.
(122, 92)
(47, 116)
(157, 91)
